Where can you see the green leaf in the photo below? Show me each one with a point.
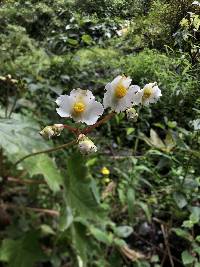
(42, 164)
(86, 39)
(183, 233)
(187, 258)
(146, 210)
(180, 199)
(101, 236)
(22, 252)
(79, 190)
(131, 202)
(130, 130)
(66, 218)
(123, 231)
(47, 230)
(72, 41)
(20, 137)
(80, 242)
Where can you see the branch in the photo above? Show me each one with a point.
(53, 213)
(97, 124)
(24, 181)
(46, 151)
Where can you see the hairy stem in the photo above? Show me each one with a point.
(97, 124)
(46, 151)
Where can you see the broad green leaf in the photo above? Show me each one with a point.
(20, 137)
(66, 218)
(42, 164)
(187, 258)
(80, 242)
(22, 252)
(79, 190)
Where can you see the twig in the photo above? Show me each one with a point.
(167, 245)
(53, 213)
(97, 124)
(71, 129)
(24, 181)
(156, 247)
(46, 151)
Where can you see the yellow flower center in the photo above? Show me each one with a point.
(79, 107)
(147, 93)
(120, 90)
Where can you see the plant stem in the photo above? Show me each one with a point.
(46, 151)
(189, 160)
(77, 131)
(137, 137)
(97, 124)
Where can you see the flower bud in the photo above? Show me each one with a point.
(53, 130)
(131, 114)
(57, 128)
(105, 171)
(86, 145)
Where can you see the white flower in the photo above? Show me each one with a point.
(131, 114)
(196, 3)
(149, 94)
(86, 145)
(80, 105)
(119, 94)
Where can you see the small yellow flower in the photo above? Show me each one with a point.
(105, 171)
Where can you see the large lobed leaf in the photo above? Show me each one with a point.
(19, 137)
(22, 252)
(79, 191)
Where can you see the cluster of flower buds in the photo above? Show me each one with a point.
(50, 131)
(131, 114)
(85, 145)
(8, 78)
(81, 106)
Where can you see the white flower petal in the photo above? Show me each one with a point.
(134, 88)
(93, 112)
(126, 81)
(108, 98)
(82, 95)
(116, 81)
(65, 102)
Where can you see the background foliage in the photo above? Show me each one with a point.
(60, 210)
